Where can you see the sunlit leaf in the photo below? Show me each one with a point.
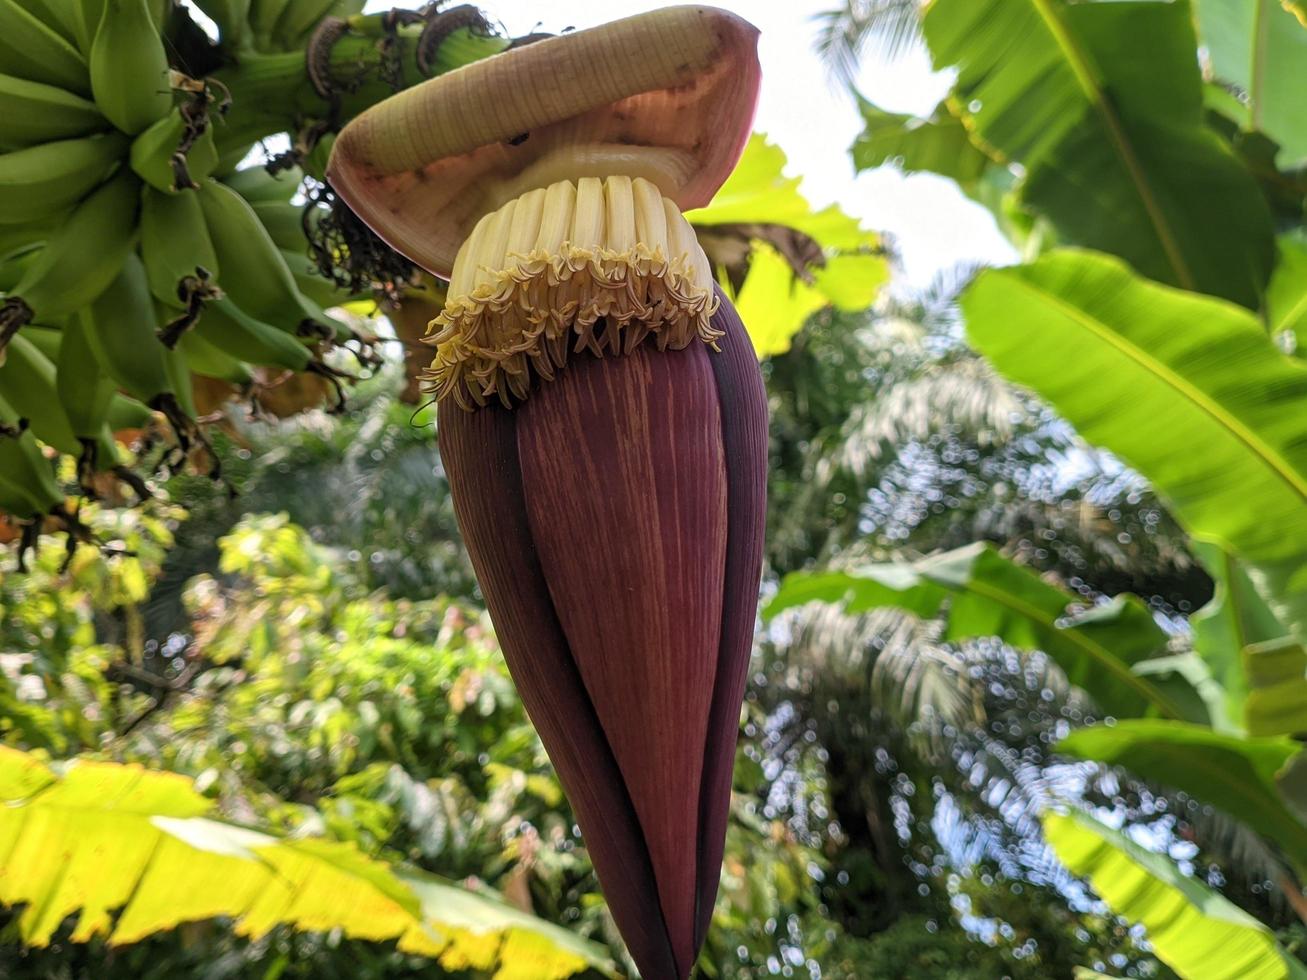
(981, 593)
(1277, 688)
(1286, 295)
(773, 302)
(1237, 774)
(938, 144)
(1193, 929)
(1236, 617)
(132, 852)
(1260, 47)
(1102, 104)
(1126, 361)
(841, 265)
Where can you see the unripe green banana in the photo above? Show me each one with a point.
(30, 49)
(174, 243)
(254, 275)
(315, 287)
(158, 159)
(264, 15)
(85, 391)
(297, 19)
(27, 383)
(129, 67)
(182, 398)
(32, 113)
(82, 257)
(231, 329)
(86, 18)
(59, 15)
(38, 182)
(127, 413)
(27, 485)
(46, 339)
(123, 412)
(255, 184)
(17, 239)
(13, 268)
(285, 222)
(209, 361)
(232, 18)
(121, 330)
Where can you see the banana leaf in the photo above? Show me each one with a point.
(132, 852)
(1194, 930)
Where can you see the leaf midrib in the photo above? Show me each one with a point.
(1096, 651)
(1256, 446)
(1080, 66)
(1257, 70)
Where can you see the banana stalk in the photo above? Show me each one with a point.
(602, 417)
(276, 90)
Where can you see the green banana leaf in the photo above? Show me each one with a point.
(1277, 688)
(835, 262)
(135, 852)
(1102, 104)
(1194, 930)
(981, 593)
(1188, 390)
(1235, 617)
(1260, 48)
(1286, 295)
(1234, 773)
(939, 144)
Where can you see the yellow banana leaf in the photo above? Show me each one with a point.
(778, 259)
(1193, 929)
(134, 852)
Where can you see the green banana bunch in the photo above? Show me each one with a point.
(28, 489)
(59, 15)
(38, 182)
(121, 326)
(20, 239)
(123, 412)
(229, 328)
(86, 18)
(210, 361)
(175, 244)
(129, 66)
(263, 18)
(36, 389)
(159, 159)
(297, 19)
(27, 383)
(14, 268)
(285, 222)
(82, 256)
(315, 287)
(85, 391)
(256, 185)
(254, 274)
(34, 113)
(31, 49)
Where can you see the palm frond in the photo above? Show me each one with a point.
(962, 395)
(845, 33)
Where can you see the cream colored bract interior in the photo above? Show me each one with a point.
(595, 265)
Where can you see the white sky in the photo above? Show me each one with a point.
(933, 225)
